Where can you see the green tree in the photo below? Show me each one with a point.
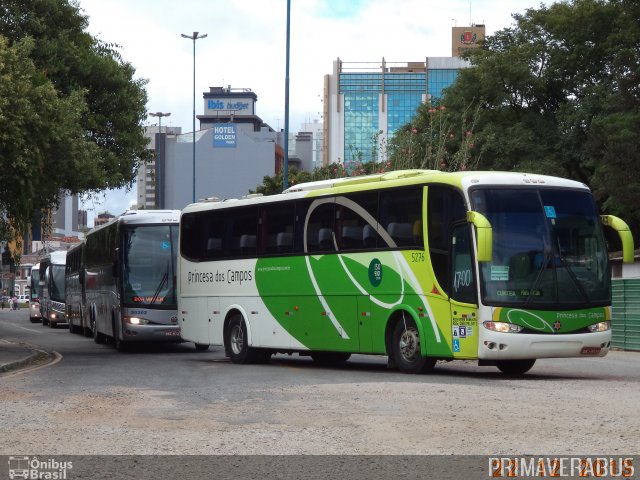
(71, 111)
(558, 93)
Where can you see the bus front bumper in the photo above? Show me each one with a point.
(513, 346)
(152, 333)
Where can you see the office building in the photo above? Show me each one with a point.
(366, 102)
(234, 151)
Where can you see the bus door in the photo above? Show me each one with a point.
(214, 321)
(464, 309)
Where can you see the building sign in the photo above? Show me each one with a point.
(228, 106)
(224, 135)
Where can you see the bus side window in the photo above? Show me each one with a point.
(400, 213)
(277, 227)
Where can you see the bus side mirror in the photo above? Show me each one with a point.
(624, 233)
(484, 235)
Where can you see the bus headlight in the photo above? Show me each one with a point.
(502, 327)
(600, 326)
(136, 320)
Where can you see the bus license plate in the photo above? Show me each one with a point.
(590, 350)
(172, 334)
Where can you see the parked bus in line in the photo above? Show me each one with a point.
(421, 266)
(75, 300)
(35, 314)
(129, 278)
(52, 277)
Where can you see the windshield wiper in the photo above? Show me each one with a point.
(536, 283)
(163, 280)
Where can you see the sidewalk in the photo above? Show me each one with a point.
(15, 355)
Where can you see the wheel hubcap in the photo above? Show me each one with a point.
(410, 345)
(237, 339)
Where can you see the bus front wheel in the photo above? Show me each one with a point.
(406, 348)
(236, 342)
(515, 367)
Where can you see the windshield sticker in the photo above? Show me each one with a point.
(550, 211)
(499, 273)
(166, 245)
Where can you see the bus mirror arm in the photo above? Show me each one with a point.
(484, 235)
(624, 233)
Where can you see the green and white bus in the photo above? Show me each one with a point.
(417, 265)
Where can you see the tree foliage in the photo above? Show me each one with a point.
(71, 111)
(557, 93)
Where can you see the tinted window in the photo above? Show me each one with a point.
(400, 214)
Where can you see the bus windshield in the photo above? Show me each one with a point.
(57, 283)
(548, 248)
(148, 260)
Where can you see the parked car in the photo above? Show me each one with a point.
(34, 311)
(23, 298)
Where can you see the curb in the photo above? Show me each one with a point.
(37, 357)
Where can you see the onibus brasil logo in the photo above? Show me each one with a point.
(34, 468)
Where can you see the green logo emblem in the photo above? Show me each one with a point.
(375, 272)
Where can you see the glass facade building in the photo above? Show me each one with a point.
(365, 104)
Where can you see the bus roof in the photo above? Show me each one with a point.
(57, 257)
(141, 217)
(396, 178)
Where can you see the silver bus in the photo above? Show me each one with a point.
(129, 278)
(35, 314)
(74, 291)
(52, 306)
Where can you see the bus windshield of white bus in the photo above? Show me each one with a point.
(548, 248)
(57, 283)
(149, 260)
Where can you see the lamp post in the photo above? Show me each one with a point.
(194, 37)
(285, 173)
(159, 169)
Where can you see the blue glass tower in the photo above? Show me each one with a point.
(365, 103)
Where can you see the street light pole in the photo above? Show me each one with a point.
(285, 173)
(159, 169)
(194, 37)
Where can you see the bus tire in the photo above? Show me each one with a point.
(330, 358)
(201, 347)
(34, 319)
(120, 344)
(98, 337)
(236, 342)
(405, 348)
(515, 367)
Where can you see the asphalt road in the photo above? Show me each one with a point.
(170, 399)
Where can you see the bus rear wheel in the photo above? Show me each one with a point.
(515, 367)
(236, 345)
(406, 348)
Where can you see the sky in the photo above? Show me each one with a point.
(245, 47)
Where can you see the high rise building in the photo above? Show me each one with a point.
(366, 102)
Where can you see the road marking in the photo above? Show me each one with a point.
(30, 329)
